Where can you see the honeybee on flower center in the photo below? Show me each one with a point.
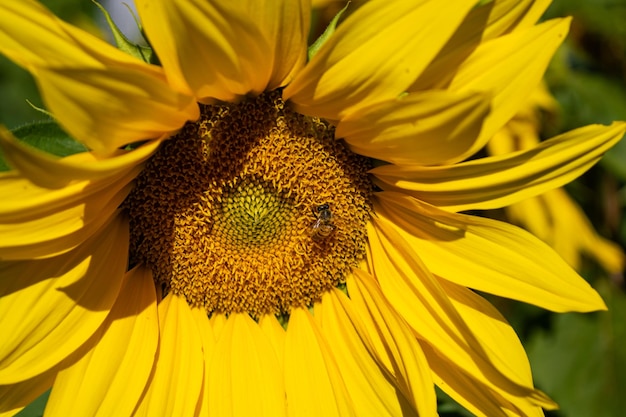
(323, 226)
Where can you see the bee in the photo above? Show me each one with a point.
(323, 226)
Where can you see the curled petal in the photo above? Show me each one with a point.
(374, 55)
(445, 335)
(109, 108)
(49, 171)
(486, 21)
(428, 128)
(48, 234)
(501, 180)
(101, 96)
(509, 68)
(492, 329)
(286, 23)
(214, 49)
(488, 255)
(36, 221)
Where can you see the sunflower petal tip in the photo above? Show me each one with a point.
(593, 302)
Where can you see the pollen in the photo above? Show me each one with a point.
(253, 208)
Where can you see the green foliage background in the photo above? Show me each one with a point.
(579, 360)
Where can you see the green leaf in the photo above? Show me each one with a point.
(46, 136)
(50, 137)
(581, 363)
(144, 53)
(330, 29)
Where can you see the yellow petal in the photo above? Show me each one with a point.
(217, 323)
(205, 331)
(313, 384)
(100, 95)
(244, 377)
(502, 345)
(486, 21)
(176, 381)
(422, 301)
(14, 397)
(50, 307)
(275, 334)
(488, 255)
(557, 220)
(210, 49)
(109, 108)
(511, 15)
(423, 128)
(49, 171)
(395, 267)
(111, 377)
(374, 55)
(509, 68)
(43, 40)
(535, 217)
(60, 232)
(38, 222)
(321, 3)
(29, 201)
(285, 24)
(207, 337)
(391, 340)
(501, 180)
(578, 231)
(371, 382)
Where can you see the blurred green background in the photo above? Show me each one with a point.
(579, 360)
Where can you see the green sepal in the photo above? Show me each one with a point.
(46, 136)
(144, 53)
(330, 29)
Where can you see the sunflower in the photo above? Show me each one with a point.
(553, 216)
(254, 230)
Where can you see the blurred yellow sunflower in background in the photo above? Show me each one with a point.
(554, 216)
(255, 233)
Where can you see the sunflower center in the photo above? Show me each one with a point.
(254, 208)
(252, 214)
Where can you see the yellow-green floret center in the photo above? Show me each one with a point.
(253, 208)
